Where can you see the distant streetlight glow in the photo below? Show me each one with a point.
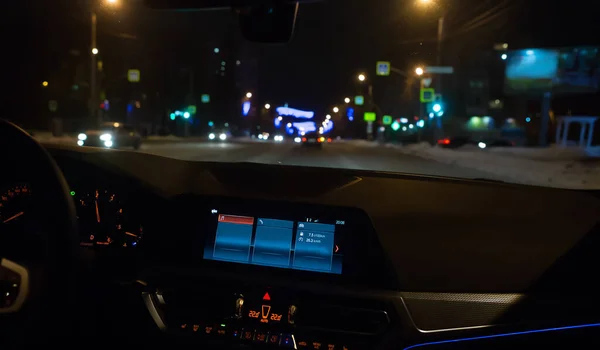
(419, 71)
(267, 106)
(216, 50)
(362, 77)
(44, 83)
(335, 109)
(248, 94)
(112, 2)
(328, 116)
(95, 51)
(347, 100)
(504, 56)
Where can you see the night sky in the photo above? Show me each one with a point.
(334, 40)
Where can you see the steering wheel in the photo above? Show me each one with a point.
(37, 264)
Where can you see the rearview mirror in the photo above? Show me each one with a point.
(264, 21)
(268, 24)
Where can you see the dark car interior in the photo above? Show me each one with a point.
(120, 247)
(103, 248)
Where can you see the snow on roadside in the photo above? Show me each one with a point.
(551, 167)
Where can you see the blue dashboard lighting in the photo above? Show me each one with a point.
(295, 112)
(555, 329)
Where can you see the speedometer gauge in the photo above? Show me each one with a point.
(103, 220)
(14, 204)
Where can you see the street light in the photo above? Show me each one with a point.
(44, 83)
(362, 77)
(419, 71)
(94, 51)
(267, 106)
(347, 100)
(248, 94)
(335, 109)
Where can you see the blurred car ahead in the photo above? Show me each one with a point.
(312, 140)
(111, 135)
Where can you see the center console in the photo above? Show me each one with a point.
(271, 274)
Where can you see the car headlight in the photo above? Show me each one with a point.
(223, 137)
(106, 137)
(79, 142)
(211, 136)
(108, 143)
(82, 137)
(297, 140)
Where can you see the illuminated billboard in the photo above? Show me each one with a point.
(560, 71)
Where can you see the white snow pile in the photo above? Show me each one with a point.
(553, 166)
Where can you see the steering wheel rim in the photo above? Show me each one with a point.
(47, 260)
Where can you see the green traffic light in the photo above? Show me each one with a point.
(72, 193)
(395, 125)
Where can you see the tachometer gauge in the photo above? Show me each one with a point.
(103, 221)
(14, 204)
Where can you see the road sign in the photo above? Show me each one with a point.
(370, 116)
(439, 70)
(426, 82)
(383, 68)
(205, 98)
(427, 95)
(52, 105)
(133, 75)
(359, 100)
(387, 119)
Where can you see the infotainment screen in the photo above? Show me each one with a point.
(308, 244)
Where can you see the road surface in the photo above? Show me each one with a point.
(350, 155)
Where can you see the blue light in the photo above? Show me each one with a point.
(172, 116)
(421, 123)
(277, 122)
(350, 113)
(295, 112)
(403, 120)
(437, 107)
(503, 335)
(327, 127)
(186, 115)
(527, 119)
(211, 123)
(305, 126)
(245, 108)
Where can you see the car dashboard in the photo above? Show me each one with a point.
(245, 255)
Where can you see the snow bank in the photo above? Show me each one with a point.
(554, 167)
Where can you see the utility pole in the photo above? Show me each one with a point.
(93, 66)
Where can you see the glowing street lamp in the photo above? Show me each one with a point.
(267, 106)
(336, 109)
(248, 94)
(347, 100)
(419, 71)
(362, 77)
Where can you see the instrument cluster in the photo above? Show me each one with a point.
(107, 219)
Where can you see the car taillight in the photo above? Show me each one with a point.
(328, 139)
(304, 139)
(321, 139)
(444, 142)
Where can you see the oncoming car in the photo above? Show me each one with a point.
(111, 135)
(218, 135)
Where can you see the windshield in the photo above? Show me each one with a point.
(498, 90)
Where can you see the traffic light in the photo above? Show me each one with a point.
(395, 125)
(436, 108)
